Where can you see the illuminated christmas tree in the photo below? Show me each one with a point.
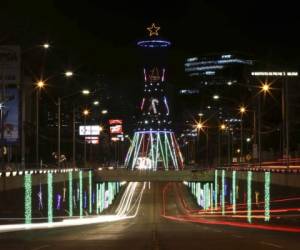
(154, 144)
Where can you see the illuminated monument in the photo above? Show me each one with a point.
(154, 144)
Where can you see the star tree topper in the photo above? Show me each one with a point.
(153, 30)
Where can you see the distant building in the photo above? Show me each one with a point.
(217, 69)
(215, 86)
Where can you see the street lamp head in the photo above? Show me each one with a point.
(40, 84)
(46, 45)
(100, 128)
(68, 73)
(265, 87)
(104, 111)
(86, 112)
(85, 92)
(199, 125)
(96, 103)
(201, 114)
(222, 126)
(242, 109)
(216, 97)
(238, 150)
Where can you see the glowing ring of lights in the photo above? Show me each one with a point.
(154, 43)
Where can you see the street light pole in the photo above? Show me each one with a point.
(84, 142)
(242, 111)
(259, 130)
(58, 132)
(37, 129)
(2, 136)
(207, 152)
(285, 112)
(219, 148)
(228, 148)
(220, 136)
(241, 155)
(39, 86)
(74, 140)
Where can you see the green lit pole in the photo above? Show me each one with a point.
(58, 131)
(84, 153)
(74, 139)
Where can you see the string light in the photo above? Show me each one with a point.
(249, 196)
(154, 43)
(80, 195)
(58, 201)
(40, 197)
(85, 200)
(153, 30)
(216, 189)
(90, 191)
(234, 191)
(50, 197)
(223, 192)
(162, 146)
(70, 194)
(97, 199)
(267, 195)
(28, 198)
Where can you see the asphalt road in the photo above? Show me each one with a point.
(149, 230)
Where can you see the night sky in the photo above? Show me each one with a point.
(103, 33)
(97, 40)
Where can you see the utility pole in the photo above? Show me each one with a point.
(37, 129)
(259, 130)
(287, 136)
(58, 132)
(74, 139)
(23, 137)
(228, 148)
(84, 142)
(242, 140)
(207, 152)
(219, 148)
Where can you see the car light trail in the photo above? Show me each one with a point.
(190, 217)
(127, 209)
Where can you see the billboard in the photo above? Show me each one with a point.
(116, 129)
(115, 139)
(92, 139)
(119, 137)
(10, 64)
(89, 130)
(115, 122)
(10, 116)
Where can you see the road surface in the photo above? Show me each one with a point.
(150, 230)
